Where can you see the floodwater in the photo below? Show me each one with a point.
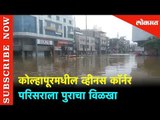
(142, 69)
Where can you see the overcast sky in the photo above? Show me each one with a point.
(108, 23)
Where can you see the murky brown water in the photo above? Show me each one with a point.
(143, 69)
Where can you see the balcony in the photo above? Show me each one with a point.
(50, 28)
(59, 31)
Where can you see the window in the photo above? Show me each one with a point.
(64, 20)
(25, 23)
(40, 27)
(18, 23)
(70, 22)
(58, 27)
(50, 24)
(64, 31)
(57, 18)
(70, 30)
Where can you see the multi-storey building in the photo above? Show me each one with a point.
(101, 40)
(85, 44)
(43, 34)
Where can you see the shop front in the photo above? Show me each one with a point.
(63, 47)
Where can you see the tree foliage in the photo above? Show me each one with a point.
(152, 43)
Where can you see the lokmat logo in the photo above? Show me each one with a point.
(147, 22)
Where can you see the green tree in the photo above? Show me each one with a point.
(153, 44)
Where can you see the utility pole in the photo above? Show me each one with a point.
(76, 46)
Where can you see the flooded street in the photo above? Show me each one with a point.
(143, 69)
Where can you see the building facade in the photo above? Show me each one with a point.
(85, 44)
(101, 40)
(43, 34)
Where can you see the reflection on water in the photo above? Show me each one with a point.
(140, 67)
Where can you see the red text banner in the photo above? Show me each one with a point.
(6, 60)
